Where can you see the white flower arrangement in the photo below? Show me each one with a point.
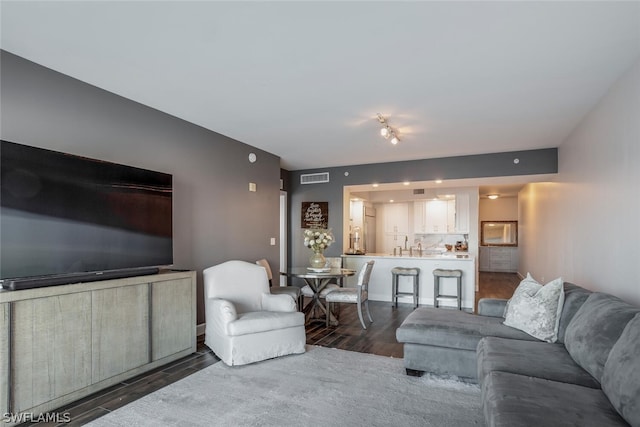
(317, 239)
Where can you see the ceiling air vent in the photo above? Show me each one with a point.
(314, 178)
(418, 191)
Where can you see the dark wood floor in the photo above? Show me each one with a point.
(379, 338)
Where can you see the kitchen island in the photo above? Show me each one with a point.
(380, 281)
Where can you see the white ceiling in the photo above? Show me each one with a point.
(304, 80)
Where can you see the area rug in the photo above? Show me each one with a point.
(322, 387)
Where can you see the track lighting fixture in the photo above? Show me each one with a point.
(387, 132)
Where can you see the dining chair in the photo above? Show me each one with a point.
(292, 291)
(358, 295)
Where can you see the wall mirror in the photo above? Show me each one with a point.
(499, 233)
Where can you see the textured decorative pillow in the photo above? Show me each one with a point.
(535, 309)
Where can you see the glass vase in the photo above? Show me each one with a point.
(317, 260)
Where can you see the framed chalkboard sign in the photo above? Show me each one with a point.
(315, 215)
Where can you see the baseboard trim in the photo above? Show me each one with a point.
(200, 329)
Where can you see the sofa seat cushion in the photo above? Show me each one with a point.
(594, 330)
(453, 328)
(621, 376)
(530, 358)
(513, 400)
(263, 321)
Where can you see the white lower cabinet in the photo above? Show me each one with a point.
(499, 259)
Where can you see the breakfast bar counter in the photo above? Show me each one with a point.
(380, 281)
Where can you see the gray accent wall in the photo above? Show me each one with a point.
(215, 216)
(531, 162)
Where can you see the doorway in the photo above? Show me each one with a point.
(283, 236)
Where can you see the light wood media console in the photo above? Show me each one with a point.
(61, 343)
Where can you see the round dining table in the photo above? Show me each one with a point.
(318, 279)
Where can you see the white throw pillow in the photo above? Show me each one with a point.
(535, 309)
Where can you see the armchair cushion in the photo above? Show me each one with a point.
(226, 309)
(278, 302)
(263, 321)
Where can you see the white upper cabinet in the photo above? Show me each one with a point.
(419, 211)
(442, 216)
(462, 213)
(436, 216)
(396, 218)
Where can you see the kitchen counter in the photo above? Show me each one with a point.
(442, 256)
(380, 280)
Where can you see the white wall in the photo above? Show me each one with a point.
(585, 226)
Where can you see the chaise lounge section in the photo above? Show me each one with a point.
(590, 376)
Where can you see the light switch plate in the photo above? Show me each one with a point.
(273, 241)
(252, 186)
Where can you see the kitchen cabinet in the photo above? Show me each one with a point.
(436, 216)
(396, 218)
(462, 214)
(499, 259)
(440, 216)
(392, 225)
(419, 212)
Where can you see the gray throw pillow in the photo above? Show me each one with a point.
(535, 309)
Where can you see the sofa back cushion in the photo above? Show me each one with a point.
(574, 297)
(594, 330)
(621, 375)
(535, 308)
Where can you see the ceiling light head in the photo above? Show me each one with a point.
(387, 132)
(493, 196)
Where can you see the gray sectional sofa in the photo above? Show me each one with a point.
(589, 377)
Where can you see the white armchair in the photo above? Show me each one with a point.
(245, 323)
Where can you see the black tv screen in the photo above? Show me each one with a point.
(63, 215)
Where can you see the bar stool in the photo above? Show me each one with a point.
(405, 271)
(439, 273)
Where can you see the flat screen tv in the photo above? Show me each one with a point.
(68, 219)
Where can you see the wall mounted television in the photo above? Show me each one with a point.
(70, 219)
